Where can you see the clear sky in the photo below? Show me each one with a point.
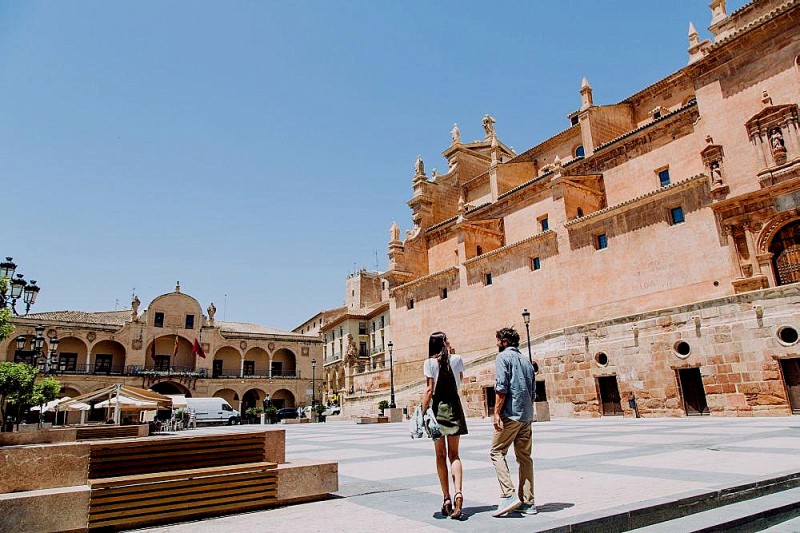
(262, 149)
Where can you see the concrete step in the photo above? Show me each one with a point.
(750, 515)
(646, 514)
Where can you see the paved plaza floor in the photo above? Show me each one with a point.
(583, 469)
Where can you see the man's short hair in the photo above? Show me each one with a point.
(509, 335)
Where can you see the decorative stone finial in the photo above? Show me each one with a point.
(766, 99)
(135, 308)
(211, 311)
(455, 134)
(177, 286)
(694, 37)
(419, 167)
(394, 232)
(586, 95)
(697, 49)
(462, 209)
(718, 13)
(488, 125)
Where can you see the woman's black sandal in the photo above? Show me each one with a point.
(447, 506)
(458, 499)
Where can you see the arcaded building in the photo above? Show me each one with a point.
(655, 241)
(172, 347)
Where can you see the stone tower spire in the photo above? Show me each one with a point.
(697, 49)
(694, 37)
(718, 12)
(586, 95)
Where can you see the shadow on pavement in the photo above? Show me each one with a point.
(553, 507)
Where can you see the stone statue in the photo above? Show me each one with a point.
(456, 134)
(488, 125)
(394, 232)
(211, 310)
(776, 141)
(419, 167)
(135, 308)
(352, 350)
(716, 174)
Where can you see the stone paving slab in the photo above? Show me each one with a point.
(584, 469)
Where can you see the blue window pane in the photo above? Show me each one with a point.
(545, 225)
(602, 241)
(663, 177)
(677, 215)
(536, 263)
(579, 151)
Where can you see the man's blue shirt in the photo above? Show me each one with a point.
(513, 376)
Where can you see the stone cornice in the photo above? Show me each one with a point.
(611, 211)
(509, 247)
(424, 279)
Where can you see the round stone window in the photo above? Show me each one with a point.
(682, 349)
(601, 359)
(787, 335)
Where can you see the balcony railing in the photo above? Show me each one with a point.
(377, 350)
(182, 371)
(257, 373)
(114, 370)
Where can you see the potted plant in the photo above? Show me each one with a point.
(383, 404)
(253, 413)
(319, 409)
(272, 414)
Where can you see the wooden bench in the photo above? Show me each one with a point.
(372, 420)
(160, 454)
(127, 501)
(157, 479)
(106, 432)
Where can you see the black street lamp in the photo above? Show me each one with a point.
(391, 376)
(526, 317)
(45, 362)
(313, 389)
(17, 287)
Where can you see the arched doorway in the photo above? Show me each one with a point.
(252, 398)
(108, 357)
(256, 363)
(227, 363)
(785, 249)
(171, 352)
(170, 387)
(230, 396)
(282, 398)
(284, 363)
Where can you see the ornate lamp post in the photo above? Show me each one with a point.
(526, 317)
(390, 345)
(17, 287)
(313, 388)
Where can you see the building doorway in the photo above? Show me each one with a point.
(609, 396)
(488, 394)
(785, 249)
(791, 376)
(694, 396)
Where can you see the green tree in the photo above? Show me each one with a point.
(16, 382)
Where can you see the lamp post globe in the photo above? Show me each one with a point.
(526, 317)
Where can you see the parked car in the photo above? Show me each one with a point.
(333, 410)
(286, 412)
(213, 410)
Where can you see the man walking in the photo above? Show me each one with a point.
(513, 414)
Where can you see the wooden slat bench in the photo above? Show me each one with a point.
(160, 454)
(127, 501)
(106, 432)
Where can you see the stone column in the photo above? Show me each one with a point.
(270, 366)
(241, 367)
(736, 266)
(758, 144)
(751, 247)
(792, 142)
(89, 360)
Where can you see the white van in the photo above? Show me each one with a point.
(213, 410)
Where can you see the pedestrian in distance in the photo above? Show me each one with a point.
(513, 413)
(443, 371)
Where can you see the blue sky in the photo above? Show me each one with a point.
(261, 150)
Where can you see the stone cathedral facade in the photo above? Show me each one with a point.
(655, 241)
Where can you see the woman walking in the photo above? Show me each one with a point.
(444, 370)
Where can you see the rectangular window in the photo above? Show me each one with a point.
(158, 321)
(543, 224)
(663, 177)
(411, 303)
(249, 368)
(444, 293)
(535, 263)
(68, 362)
(487, 278)
(102, 363)
(362, 328)
(676, 215)
(189, 322)
(276, 369)
(362, 349)
(601, 241)
(383, 322)
(162, 363)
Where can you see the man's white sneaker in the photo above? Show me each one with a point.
(527, 508)
(507, 505)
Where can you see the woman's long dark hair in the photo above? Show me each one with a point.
(437, 347)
